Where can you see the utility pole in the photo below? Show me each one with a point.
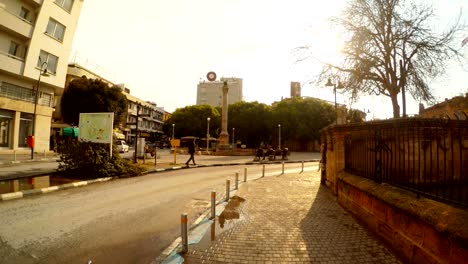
(135, 158)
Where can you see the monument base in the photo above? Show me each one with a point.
(223, 139)
(224, 147)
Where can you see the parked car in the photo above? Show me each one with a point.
(122, 146)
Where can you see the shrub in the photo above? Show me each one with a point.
(87, 160)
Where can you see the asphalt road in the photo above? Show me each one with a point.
(122, 221)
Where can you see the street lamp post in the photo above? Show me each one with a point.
(43, 72)
(233, 142)
(340, 86)
(208, 134)
(279, 135)
(135, 157)
(173, 127)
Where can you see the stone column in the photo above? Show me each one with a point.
(224, 136)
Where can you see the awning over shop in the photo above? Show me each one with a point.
(118, 135)
(70, 131)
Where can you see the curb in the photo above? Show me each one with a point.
(26, 193)
(9, 162)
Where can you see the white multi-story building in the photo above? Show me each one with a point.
(34, 35)
(211, 93)
(151, 117)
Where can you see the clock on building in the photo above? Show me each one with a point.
(211, 76)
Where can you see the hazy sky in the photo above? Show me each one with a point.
(161, 49)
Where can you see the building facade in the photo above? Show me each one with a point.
(35, 35)
(211, 93)
(295, 89)
(454, 108)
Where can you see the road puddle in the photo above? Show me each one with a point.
(33, 183)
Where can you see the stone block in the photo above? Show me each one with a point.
(403, 246)
(366, 201)
(422, 256)
(378, 208)
(415, 230)
(458, 254)
(393, 217)
(385, 230)
(436, 243)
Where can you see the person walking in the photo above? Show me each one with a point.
(191, 151)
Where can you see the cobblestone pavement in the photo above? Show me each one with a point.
(289, 219)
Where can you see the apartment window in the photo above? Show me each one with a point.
(24, 94)
(50, 59)
(24, 13)
(55, 29)
(65, 4)
(13, 48)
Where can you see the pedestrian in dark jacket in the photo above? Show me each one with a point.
(191, 151)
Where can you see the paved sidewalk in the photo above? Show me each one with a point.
(288, 219)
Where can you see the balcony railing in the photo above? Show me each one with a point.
(426, 156)
(15, 23)
(11, 63)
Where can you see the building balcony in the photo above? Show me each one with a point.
(11, 63)
(15, 24)
(35, 2)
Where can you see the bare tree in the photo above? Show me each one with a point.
(391, 46)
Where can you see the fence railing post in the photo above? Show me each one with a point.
(263, 171)
(228, 183)
(282, 167)
(237, 180)
(302, 170)
(184, 235)
(245, 174)
(213, 205)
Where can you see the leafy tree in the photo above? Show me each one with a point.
(355, 116)
(192, 121)
(252, 122)
(85, 95)
(391, 47)
(302, 118)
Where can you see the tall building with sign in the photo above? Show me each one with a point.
(295, 89)
(211, 93)
(35, 35)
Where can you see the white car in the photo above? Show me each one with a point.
(122, 146)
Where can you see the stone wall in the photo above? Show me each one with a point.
(420, 230)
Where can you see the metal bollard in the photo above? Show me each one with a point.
(228, 183)
(14, 155)
(183, 225)
(44, 154)
(237, 180)
(282, 167)
(213, 205)
(155, 155)
(245, 174)
(263, 171)
(302, 166)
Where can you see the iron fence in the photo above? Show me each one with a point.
(426, 156)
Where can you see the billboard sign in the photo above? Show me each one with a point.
(96, 127)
